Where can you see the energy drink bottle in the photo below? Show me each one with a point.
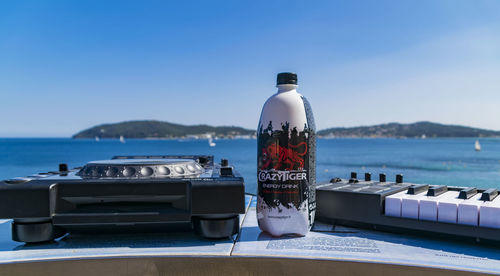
(286, 162)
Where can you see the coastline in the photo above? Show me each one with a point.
(254, 138)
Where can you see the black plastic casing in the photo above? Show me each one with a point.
(73, 203)
(362, 204)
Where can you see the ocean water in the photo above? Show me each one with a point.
(433, 161)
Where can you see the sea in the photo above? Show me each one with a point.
(450, 161)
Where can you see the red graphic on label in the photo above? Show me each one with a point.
(278, 156)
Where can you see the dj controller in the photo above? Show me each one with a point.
(126, 193)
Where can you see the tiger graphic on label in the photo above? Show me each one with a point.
(283, 158)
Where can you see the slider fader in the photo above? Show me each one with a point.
(410, 208)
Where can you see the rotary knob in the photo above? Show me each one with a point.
(368, 176)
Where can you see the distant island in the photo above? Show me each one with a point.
(165, 130)
(414, 130)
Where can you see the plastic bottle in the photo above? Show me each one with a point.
(286, 162)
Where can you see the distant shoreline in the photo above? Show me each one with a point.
(322, 138)
(319, 138)
(158, 130)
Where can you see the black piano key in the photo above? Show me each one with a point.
(353, 187)
(489, 194)
(437, 190)
(368, 176)
(417, 189)
(467, 193)
(337, 186)
(377, 189)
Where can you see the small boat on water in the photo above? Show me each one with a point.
(97, 139)
(477, 146)
(211, 142)
(122, 139)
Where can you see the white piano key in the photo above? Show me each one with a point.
(428, 208)
(468, 210)
(410, 205)
(489, 213)
(448, 207)
(393, 204)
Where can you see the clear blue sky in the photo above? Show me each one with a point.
(69, 65)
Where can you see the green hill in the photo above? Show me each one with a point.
(157, 129)
(417, 129)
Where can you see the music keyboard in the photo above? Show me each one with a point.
(406, 207)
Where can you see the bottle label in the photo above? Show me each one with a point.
(285, 179)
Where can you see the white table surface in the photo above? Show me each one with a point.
(343, 244)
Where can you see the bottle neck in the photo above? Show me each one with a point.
(282, 88)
